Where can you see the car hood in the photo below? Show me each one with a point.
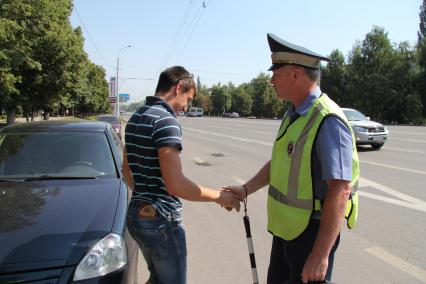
(365, 123)
(54, 221)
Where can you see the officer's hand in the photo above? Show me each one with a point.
(315, 268)
(238, 190)
(229, 200)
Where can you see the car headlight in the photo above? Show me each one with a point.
(107, 255)
(359, 129)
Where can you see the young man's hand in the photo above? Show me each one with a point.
(238, 190)
(229, 200)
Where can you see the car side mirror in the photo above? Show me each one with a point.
(368, 118)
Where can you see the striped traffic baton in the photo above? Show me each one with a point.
(249, 240)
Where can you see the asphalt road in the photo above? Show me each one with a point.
(387, 246)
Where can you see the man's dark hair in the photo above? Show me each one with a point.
(173, 75)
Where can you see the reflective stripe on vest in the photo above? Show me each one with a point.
(299, 203)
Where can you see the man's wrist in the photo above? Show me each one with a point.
(217, 197)
(245, 190)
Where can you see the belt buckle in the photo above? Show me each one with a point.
(147, 211)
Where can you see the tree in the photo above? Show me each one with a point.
(421, 34)
(334, 79)
(16, 55)
(202, 98)
(42, 61)
(371, 65)
(132, 107)
(241, 101)
(421, 53)
(403, 104)
(220, 99)
(257, 88)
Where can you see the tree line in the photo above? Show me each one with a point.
(384, 80)
(43, 66)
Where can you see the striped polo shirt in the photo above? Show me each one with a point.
(151, 127)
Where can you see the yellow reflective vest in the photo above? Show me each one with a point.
(291, 201)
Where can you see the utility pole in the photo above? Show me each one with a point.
(117, 94)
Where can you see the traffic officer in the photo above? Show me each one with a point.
(313, 172)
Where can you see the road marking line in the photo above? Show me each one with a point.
(419, 207)
(402, 150)
(230, 137)
(409, 133)
(247, 122)
(393, 167)
(402, 265)
(363, 182)
(263, 132)
(405, 140)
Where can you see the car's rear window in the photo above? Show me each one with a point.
(62, 154)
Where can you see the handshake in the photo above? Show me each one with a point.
(230, 197)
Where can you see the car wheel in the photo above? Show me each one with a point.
(377, 146)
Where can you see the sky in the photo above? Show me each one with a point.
(225, 41)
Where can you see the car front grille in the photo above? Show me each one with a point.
(50, 276)
(376, 129)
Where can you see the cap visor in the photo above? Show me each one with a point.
(276, 66)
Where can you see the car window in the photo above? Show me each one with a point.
(62, 154)
(354, 115)
(117, 143)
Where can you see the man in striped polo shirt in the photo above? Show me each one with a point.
(153, 146)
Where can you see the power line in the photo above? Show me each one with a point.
(91, 40)
(202, 8)
(174, 41)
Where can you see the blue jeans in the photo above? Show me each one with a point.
(163, 246)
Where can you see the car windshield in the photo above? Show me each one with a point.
(110, 119)
(55, 155)
(354, 115)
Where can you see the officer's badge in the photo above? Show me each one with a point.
(290, 148)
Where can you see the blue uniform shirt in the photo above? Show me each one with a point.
(332, 150)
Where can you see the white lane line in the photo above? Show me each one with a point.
(263, 132)
(229, 137)
(398, 263)
(403, 150)
(409, 205)
(410, 140)
(251, 122)
(363, 182)
(409, 133)
(393, 167)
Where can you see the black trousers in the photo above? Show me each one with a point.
(288, 257)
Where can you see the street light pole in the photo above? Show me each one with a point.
(117, 94)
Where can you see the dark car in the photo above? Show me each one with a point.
(63, 203)
(113, 120)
